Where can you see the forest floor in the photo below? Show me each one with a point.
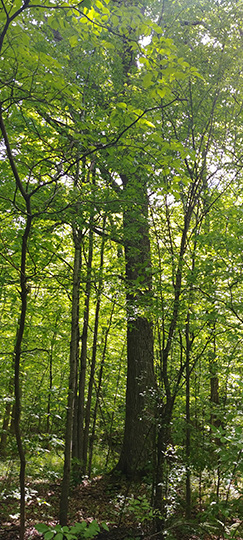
(106, 499)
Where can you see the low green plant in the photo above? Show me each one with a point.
(74, 532)
(141, 508)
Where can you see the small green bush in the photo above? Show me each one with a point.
(74, 532)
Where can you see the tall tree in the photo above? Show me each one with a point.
(73, 364)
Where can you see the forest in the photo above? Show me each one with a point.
(121, 275)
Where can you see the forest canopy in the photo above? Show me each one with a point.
(121, 257)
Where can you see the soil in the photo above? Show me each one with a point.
(103, 498)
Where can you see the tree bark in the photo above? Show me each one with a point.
(165, 405)
(6, 418)
(21, 324)
(92, 437)
(83, 360)
(73, 359)
(164, 431)
(136, 454)
(17, 356)
(188, 420)
(93, 359)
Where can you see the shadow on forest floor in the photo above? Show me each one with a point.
(104, 498)
(101, 498)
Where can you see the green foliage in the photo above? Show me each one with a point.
(141, 508)
(74, 532)
(89, 94)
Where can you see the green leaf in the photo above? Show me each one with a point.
(73, 40)
(148, 123)
(78, 527)
(147, 80)
(92, 530)
(121, 105)
(101, 7)
(104, 526)
(17, 4)
(86, 4)
(42, 527)
(49, 535)
(162, 92)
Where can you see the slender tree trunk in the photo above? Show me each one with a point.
(214, 399)
(214, 384)
(50, 381)
(79, 412)
(93, 359)
(160, 498)
(17, 356)
(188, 420)
(7, 414)
(73, 359)
(90, 388)
(165, 406)
(21, 325)
(49, 395)
(83, 360)
(6, 418)
(113, 413)
(91, 446)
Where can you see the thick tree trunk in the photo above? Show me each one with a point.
(136, 454)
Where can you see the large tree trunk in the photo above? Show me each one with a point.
(136, 454)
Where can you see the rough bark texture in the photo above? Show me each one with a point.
(137, 445)
(136, 454)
